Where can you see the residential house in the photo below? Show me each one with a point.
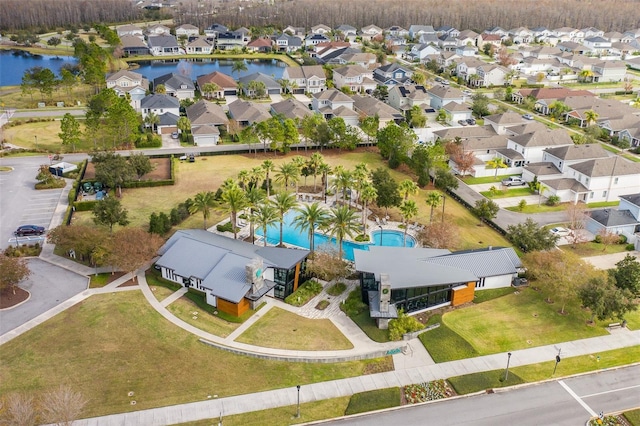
(260, 45)
(166, 107)
(333, 103)
(607, 71)
(626, 122)
(226, 84)
(230, 40)
(392, 74)
(463, 133)
(396, 31)
(199, 46)
(573, 47)
(355, 77)
(306, 79)
(447, 30)
(177, 85)
(130, 83)
(163, 45)
(247, 113)
(467, 67)
(347, 32)
(369, 106)
(320, 50)
(133, 45)
(497, 31)
(501, 122)
(371, 32)
(469, 38)
(490, 75)
(405, 97)
(493, 39)
(532, 145)
(442, 95)
(349, 56)
(215, 29)
(419, 279)
(466, 51)
(291, 108)
(631, 134)
(613, 36)
(129, 30)
(484, 148)
(419, 52)
(205, 118)
(234, 275)
(287, 43)
(624, 221)
(546, 96)
(597, 45)
(447, 43)
(315, 39)
(456, 112)
(415, 31)
(521, 35)
(157, 30)
(592, 32)
(321, 29)
(298, 32)
(271, 85)
(187, 30)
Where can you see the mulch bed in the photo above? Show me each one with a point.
(8, 299)
(162, 170)
(117, 275)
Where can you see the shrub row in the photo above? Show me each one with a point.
(85, 206)
(73, 193)
(14, 123)
(304, 293)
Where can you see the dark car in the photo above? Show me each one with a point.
(29, 230)
(471, 121)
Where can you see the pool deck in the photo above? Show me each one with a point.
(376, 224)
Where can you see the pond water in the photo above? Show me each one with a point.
(13, 64)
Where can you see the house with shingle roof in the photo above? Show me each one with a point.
(608, 71)
(392, 74)
(370, 107)
(355, 77)
(260, 45)
(605, 179)
(177, 85)
(271, 84)
(291, 108)
(133, 45)
(205, 118)
(418, 279)
(371, 32)
(247, 113)
(333, 103)
(130, 83)
(187, 30)
(199, 46)
(166, 107)
(625, 220)
(306, 78)
(404, 97)
(286, 43)
(228, 86)
(129, 30)
(442, 95)
(234, 275)
(500, 122)
(161, 45)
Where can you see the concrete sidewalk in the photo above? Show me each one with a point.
(213, 408)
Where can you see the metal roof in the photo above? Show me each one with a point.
(482, 263)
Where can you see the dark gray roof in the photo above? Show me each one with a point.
(159, 101)
(268, 81)
(610, 217)
(487, 262)
(174, 81)
(632, 198)
(510, 153)
(407, 269)
(168, 119)
(162, 41)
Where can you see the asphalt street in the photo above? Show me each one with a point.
(567, 402)
(49, 285)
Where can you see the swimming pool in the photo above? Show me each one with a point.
(295, 237)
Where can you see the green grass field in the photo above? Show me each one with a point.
(593, 249)
(284, 330)
(190, 313)
(119, 342)
(507, 193)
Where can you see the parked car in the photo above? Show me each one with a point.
(560, 231)
(25, 230)
(174, 135)
(527, 117)
(467, 92)
(514, 181)
(462, 122)
(192, 158)
(439, 80)
(445, 82)
(471, 121)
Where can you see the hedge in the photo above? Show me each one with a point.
(304, 293)
(84, 206)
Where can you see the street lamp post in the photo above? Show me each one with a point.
(506, 374)
(298, 410)
(36, 137)
(380, 226)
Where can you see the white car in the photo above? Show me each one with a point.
(560, 231)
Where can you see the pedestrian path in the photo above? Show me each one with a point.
(214, 408)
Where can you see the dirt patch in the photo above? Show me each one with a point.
(161, 171)
(380, 367)
(8, 299)
(129, 283)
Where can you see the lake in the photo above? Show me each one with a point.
(13, 64)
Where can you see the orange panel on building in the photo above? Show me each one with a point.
(235, 309)
(463, 294)
(297, 277)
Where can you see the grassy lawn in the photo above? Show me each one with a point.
(519, 321)
(282, 329)
(633, 417)
(46, 132)
(469, 180)
(311, 411)
(494, 293)
(603, 204)
(100, 280)
(593, 249)
(15, 99)
(476, 382)
(373, 400)
(118, 341)
(507, 193)
(284, 58)
(368, 325)
(184, 309)
(160, 287)
(534, 208)
(444, 344)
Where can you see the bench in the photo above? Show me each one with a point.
(615, 325)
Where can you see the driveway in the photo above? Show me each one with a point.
(49, 285)
(169, 142)
(608, 261)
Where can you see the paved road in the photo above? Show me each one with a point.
(567, 402)
(49, 285)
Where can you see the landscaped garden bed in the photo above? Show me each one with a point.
(307, 291)
(427, 391)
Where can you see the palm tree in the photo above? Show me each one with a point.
(361, 176)
(314, 163)
(308, 218)
(342, 222)
(267, 166)
(286, 173)
(558, 109)
(210, 88)
(433, 200)
(591, 116)
(584, 75)
(238, 66)
(368, 194)
(325, 170)
(202, 202)
(342, 182)
(244, 177)
(184, 125)
(299, 163)
(257, 176)
(496, 163)
(408, 210)
(235, 200)
(151, 121)
(255, 197)
(407, 187)
(283, 202)
(160, 89)
(264, 216)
